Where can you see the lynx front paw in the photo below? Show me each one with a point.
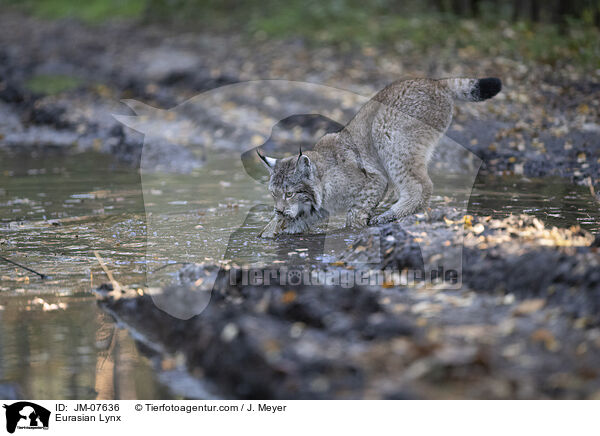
(357, 220)
(384, 218)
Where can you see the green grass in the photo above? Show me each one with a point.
(578, 44)
(52, 84)
(90, 11)
(407, 27)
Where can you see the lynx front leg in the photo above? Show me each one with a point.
(366, 201)
(273, 228)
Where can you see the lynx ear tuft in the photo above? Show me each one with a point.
(268, 161)
(303, 163)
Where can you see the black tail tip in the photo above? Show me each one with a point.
(489, 87)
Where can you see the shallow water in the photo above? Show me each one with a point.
(554, 200)
(75, 352)
(54, 340)
(55, 211)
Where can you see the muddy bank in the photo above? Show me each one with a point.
(530, 331)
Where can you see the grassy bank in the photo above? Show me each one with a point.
(346, 24)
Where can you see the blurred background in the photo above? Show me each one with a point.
(547, 31)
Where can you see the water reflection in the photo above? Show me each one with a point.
(72, 353)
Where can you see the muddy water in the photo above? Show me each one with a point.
(54, 340)
(554, 200)
(56, 211)
(73, 353)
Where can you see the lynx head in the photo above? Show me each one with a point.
(294, 186)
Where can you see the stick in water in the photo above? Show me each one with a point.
(116, 285)
(42, 276)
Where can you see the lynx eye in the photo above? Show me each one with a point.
(289, 195)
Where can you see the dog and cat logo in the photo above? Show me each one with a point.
(26, 415)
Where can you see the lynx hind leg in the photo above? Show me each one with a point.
(414, 190)
(405, 145)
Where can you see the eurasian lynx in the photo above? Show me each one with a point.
(388, 143)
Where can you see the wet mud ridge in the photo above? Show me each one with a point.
(532, 333)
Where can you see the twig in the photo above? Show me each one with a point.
(115, 284)
(111, 346)
(42, 276)
(169, 264)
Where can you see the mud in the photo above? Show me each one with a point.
(524, 324)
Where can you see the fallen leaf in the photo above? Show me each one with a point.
(546, 337)
(529, 306)
(288, 297)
